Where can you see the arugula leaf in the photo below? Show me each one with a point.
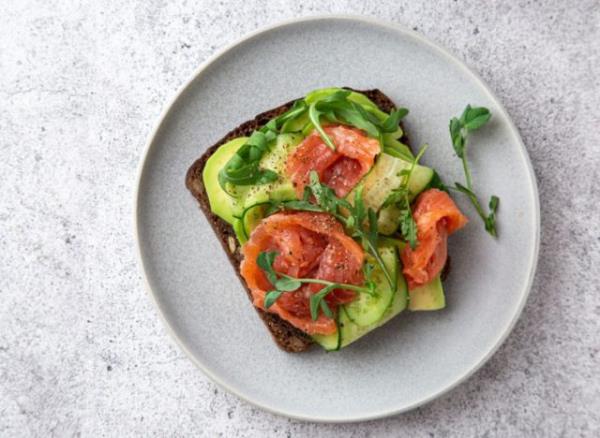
(472, 119)
(391, 123)
(314, 115)
(243, 167)
(338, 108)
(297, 110)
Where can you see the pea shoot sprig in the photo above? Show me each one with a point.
(472, 119)
(400, 197)
(284, 283)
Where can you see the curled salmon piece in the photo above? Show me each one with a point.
(309, 245)
(436, 216)
(341, 169)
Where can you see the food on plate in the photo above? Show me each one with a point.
(328, 216)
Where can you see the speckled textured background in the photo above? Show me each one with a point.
(82, 350)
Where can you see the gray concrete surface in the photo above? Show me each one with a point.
(82, 350)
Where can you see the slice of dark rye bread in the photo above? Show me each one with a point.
(288, 337)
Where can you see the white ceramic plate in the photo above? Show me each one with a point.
(414, 358)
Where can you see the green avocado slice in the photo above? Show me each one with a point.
(428, 297)
(222, 204)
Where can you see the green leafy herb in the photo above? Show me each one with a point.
(243, 168)
(271, 297)
(314, 114)
(400, 197)
(490, 221)
(284, 283)
(437, 183)
(287, 284)
(368, 273)
(471, 120)
(337, 108)
(391, 123)
(353, 217)
(297, 110)
(265, 262)
(408, 227)
(360, 223)
(317, 301)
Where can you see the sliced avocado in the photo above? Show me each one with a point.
(250, 210)
(386, 176)
(428, 297)
(275, 160)
(229, 207)
(395, 148)
(330, 342)
(388, 220)
(222, 204)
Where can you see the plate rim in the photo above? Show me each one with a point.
(439, 49)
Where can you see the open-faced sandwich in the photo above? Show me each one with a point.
(327, 216)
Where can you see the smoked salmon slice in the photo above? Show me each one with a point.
(309, 245)
(436, 216)
(341, 169)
